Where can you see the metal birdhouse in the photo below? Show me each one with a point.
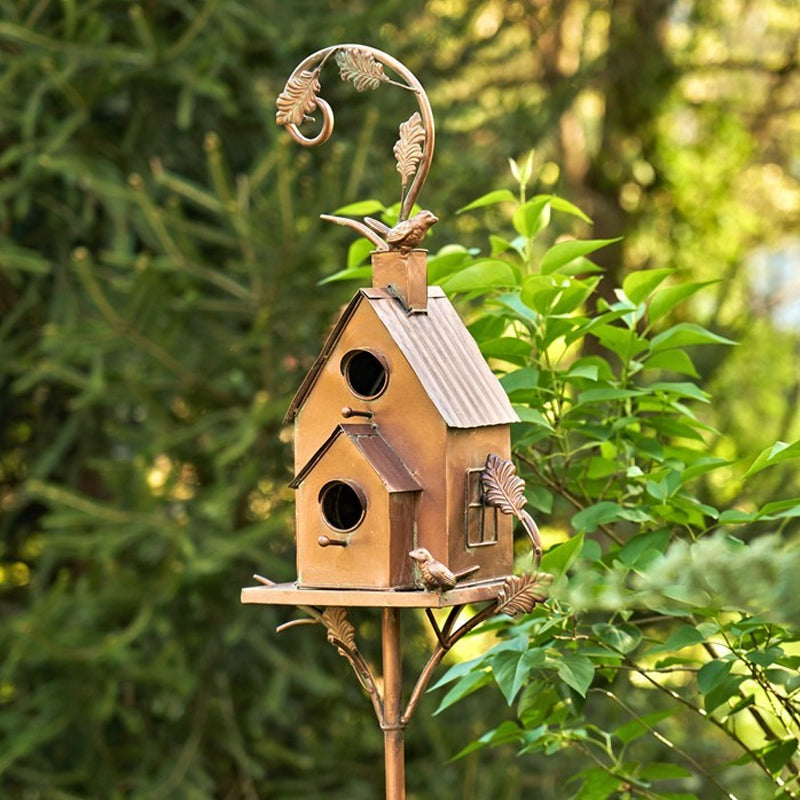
(405, 492)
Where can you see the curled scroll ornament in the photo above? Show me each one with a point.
(363, 66)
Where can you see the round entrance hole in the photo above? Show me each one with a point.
(343, 505)
(366, 373)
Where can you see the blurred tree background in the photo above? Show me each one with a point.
(160, 251)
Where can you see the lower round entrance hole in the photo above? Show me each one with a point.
(343, 507)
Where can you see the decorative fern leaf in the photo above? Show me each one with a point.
(298, 98)
(340, 629)
(520, 593)
(361, 68)
(502, 487)
(408, 148)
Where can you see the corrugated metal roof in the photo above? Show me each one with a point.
(376, 450)
(447, 361)
(440, 350)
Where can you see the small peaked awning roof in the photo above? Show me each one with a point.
(439, 349)
(376, 450)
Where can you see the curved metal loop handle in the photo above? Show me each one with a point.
(299, 98)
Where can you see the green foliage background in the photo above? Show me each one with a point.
(159, 255)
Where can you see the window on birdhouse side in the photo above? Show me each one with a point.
(480, 520)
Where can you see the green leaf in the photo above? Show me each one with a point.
(525, 378)
(776, 454)
(458, 671)
(573, 296)
(558, 559)
(584, 369)
(489, 199)
(470, 683)
(576, 671)
(686, 333)
(780, 509)
(516, 670)
(563, 253)
(499, 245)
(632, 730)
(735, 516)
(531, 217)
(539, 497)
(673, 360)
(597, 785)
(685, 636)
(642, 283)
(589, 519)
(766, 657)
(447, 261)
(533, 417)
(623, 638)
(625, 342)
(487, 273)
(713, 674)
(560, 204)
(506, 348)
(722, 692)
(605, 394)
(539, 292)
(358, 252)
(681, 389)
(361, 208)
(666, 299)
(356, 273)
(777, 754)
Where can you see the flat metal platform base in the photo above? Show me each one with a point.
(290, 594)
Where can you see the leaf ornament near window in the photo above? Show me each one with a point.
(408, 148)
(504, 489)
(298, 99)
(361, 69)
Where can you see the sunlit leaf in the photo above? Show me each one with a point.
(531, 217)
(640, 284)
(489, 199)
(666, 299)
(483, 274)
(561, 254)
(559, 558)
(776, 454)
(684, 334)
(360, 208)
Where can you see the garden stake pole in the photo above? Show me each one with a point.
(393, 724)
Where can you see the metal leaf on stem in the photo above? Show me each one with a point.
(363, 66)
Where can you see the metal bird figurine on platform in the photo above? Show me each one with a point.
(435, 575)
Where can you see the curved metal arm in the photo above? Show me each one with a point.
(363, 65)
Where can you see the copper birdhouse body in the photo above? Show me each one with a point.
(393, 426)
